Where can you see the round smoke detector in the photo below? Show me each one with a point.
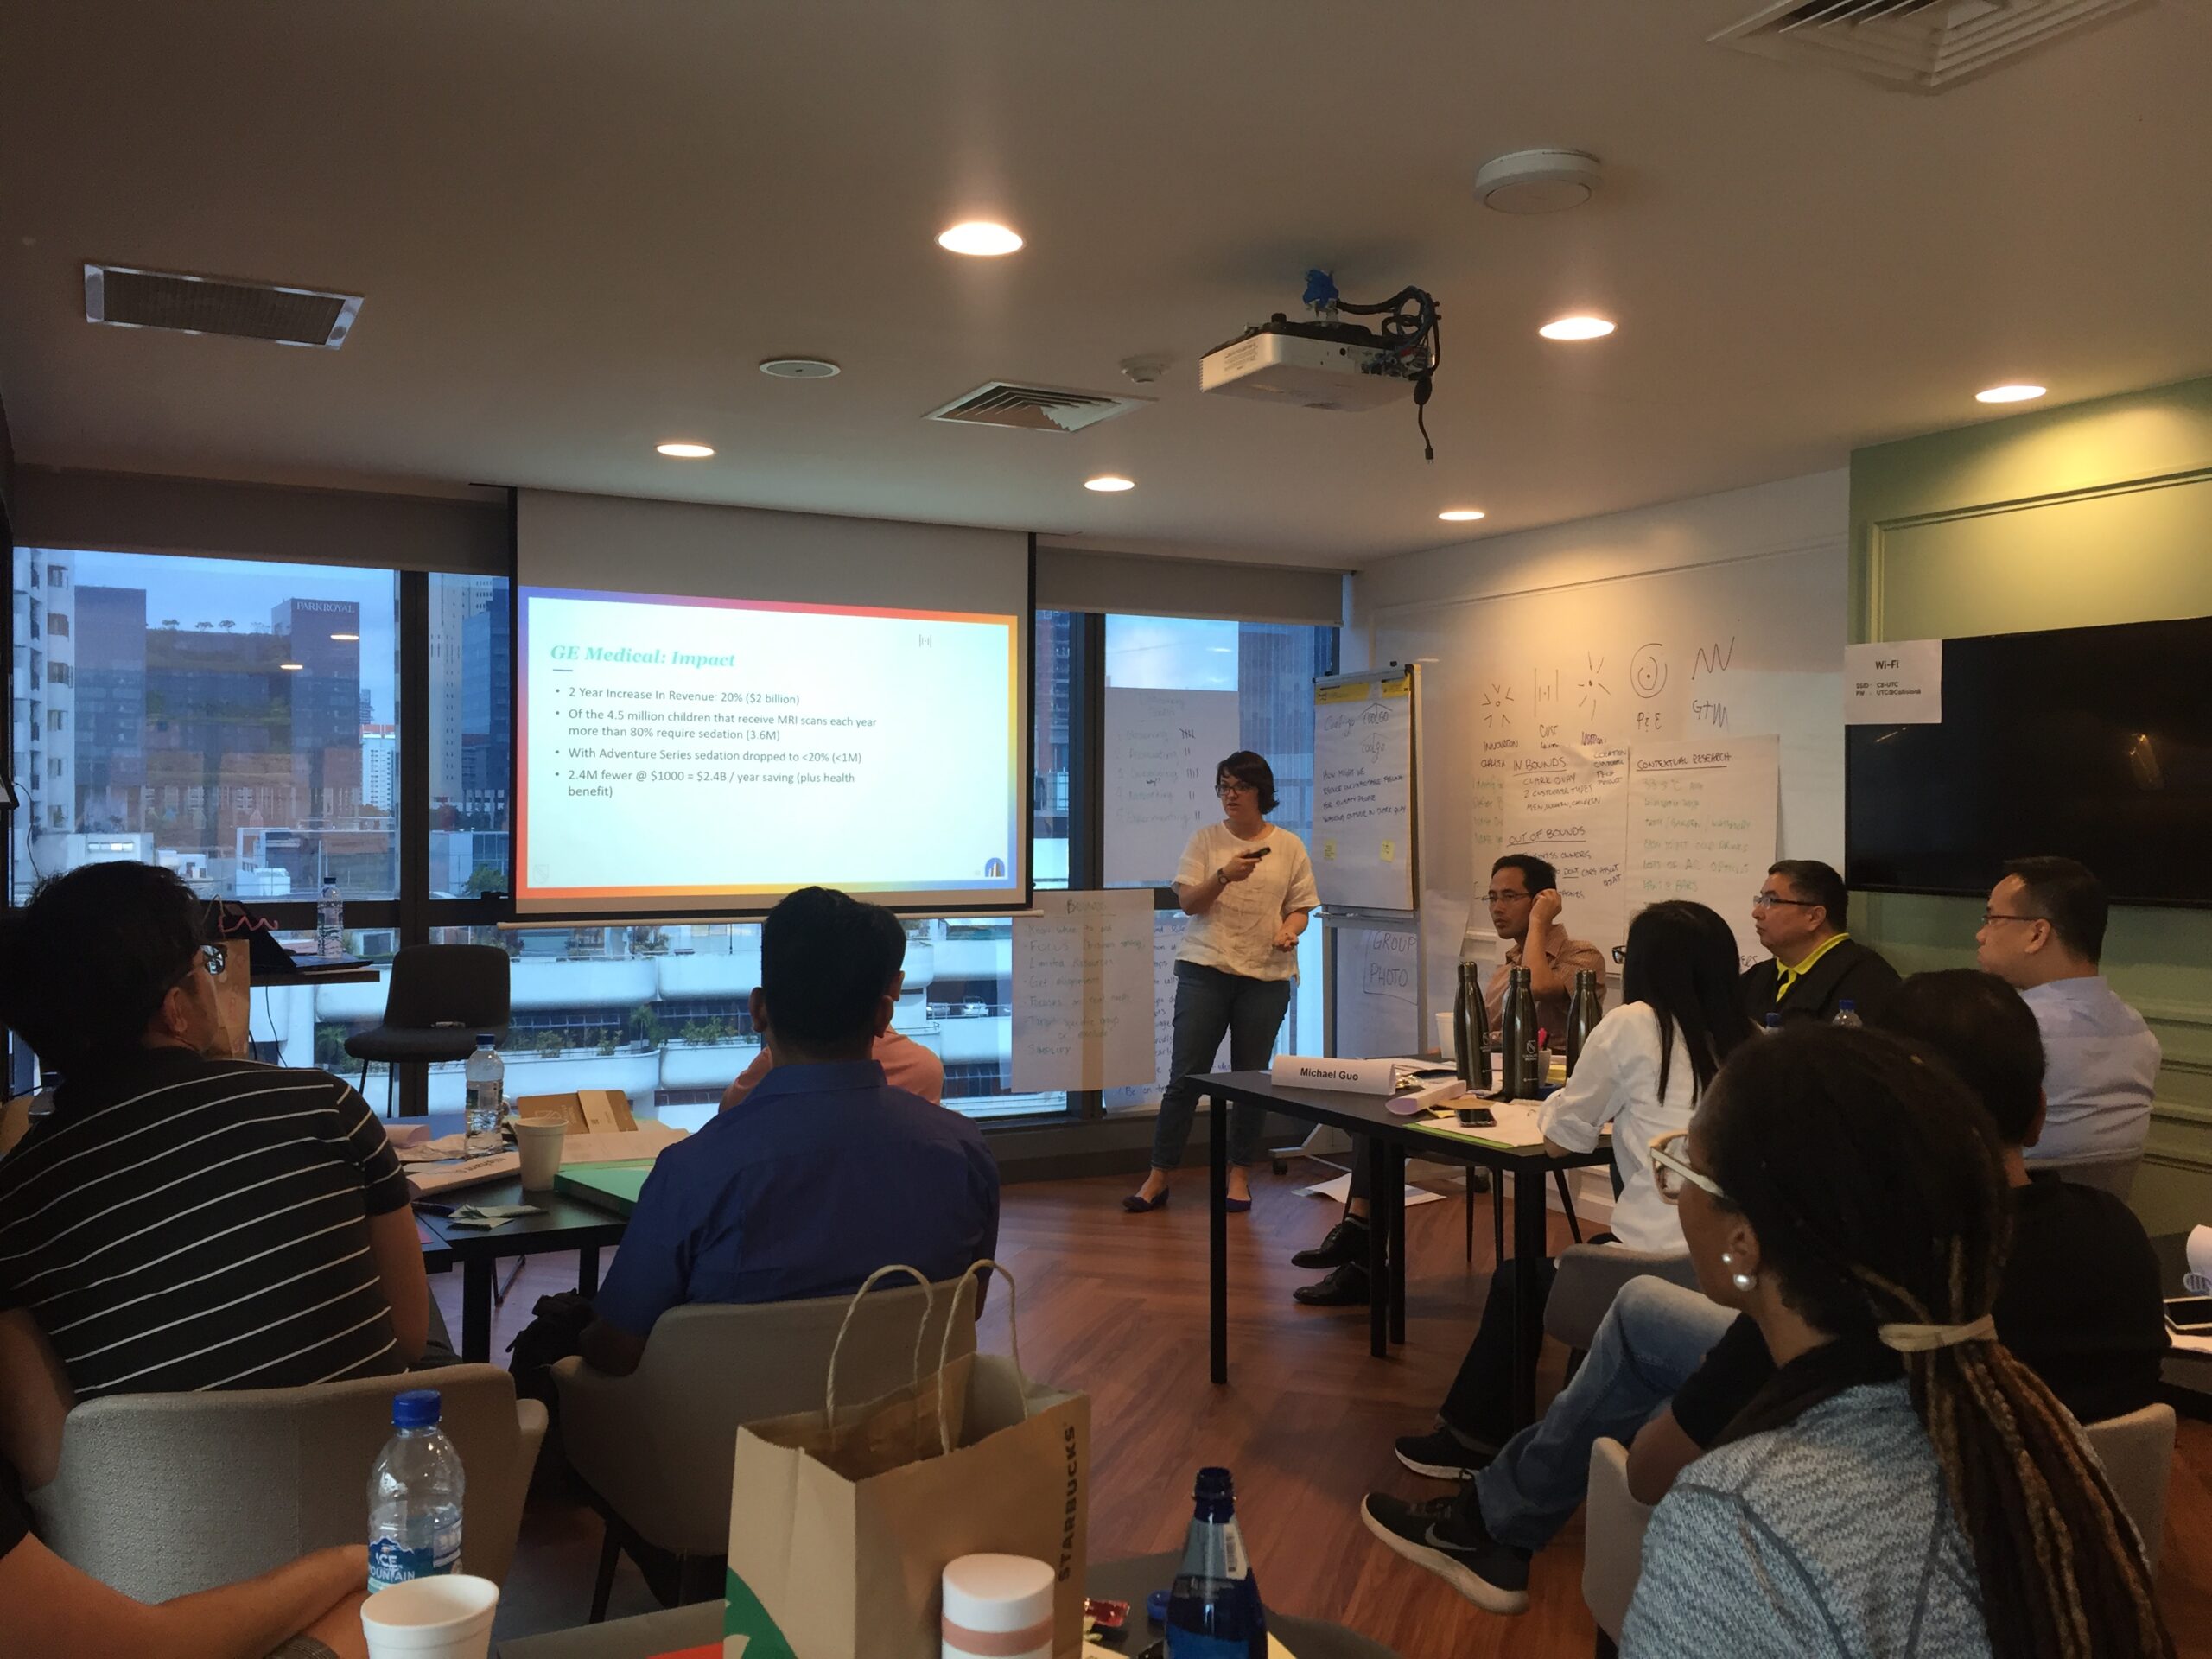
(799, 368)
(1536, 180)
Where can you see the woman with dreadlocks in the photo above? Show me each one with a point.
(1902, 1485)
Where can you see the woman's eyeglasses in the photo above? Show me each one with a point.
(1671, 1171)
(1230, 787)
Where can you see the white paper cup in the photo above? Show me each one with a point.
(445, 1617)
(1446, 1042)
(539, 1141)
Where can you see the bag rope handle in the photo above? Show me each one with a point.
(921, 1331)
(1013, 1331)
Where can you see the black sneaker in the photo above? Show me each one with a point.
(1490, 1574)
(1345, 1288)
(1346, 1243)
(1440, 1456)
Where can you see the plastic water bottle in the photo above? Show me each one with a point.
(487, 1076)
(330, 922)
(1213, 1608)
(415, 1495)
(1846, 1013)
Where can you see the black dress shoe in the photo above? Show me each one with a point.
(1345, 1288)
(1346, 1241)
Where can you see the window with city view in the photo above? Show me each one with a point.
(213, 715)
(1271, 668)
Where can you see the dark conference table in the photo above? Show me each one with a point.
(568, 1224)
(1393, 1137)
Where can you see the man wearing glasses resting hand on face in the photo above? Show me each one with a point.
(1800, 914)
(1524, 904)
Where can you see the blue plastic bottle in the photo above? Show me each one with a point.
(415, 1497)
(1213, 1609)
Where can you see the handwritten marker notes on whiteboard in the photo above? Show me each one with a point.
(1363, 790)
(1897, 683)
(1083, 992)
(1569, 807)
(1161, 750)
(1700, 825)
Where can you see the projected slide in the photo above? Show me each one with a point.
(718, 752)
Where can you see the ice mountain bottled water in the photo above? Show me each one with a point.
(415, 1497)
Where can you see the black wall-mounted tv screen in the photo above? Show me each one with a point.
(2095, 743)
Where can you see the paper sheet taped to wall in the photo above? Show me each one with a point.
(1083, 991)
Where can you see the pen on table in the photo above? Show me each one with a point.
(423, 1206)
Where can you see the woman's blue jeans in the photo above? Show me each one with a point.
(1210, 1005)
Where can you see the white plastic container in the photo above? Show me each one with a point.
(993, 1602)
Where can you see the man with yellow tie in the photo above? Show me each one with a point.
(1800, 915)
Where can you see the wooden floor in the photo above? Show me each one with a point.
(1115, 1304)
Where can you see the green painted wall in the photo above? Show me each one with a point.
(2093, 513)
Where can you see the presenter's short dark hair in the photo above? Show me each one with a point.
(1817, 883)
(89, 959)
(826, 958)
(2068, 896)
(1536, 871)
(1983, 1030)
(1246, 767)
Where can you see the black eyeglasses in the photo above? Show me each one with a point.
(1768, 900)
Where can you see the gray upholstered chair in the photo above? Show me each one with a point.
(1613, 1542)
(657, 1447)
(1591, 1276)
(2137, 1452)
(160, 1495)
(2115, 1175)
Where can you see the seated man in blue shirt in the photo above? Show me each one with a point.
(824, 1173)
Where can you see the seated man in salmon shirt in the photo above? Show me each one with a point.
(906, 1064)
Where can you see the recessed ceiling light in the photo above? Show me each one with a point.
(979, 237)
(2018, 393)
(293, 668)
(1576, 329)
(1109, 483)
(1460, 515)
(799, 368)
(684, 451)
(345, 636)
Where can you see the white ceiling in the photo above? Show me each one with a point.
(579, 225)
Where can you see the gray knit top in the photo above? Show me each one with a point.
(1831, 1535)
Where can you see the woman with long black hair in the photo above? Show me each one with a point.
(1903, 1484)
(1680, 1017)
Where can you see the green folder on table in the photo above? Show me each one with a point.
(611, 1186)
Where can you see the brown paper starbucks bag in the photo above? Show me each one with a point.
(841, 1520)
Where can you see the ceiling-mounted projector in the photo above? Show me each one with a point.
(1327, 363)
(1311, 364)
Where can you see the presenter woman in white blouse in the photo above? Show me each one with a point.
(1247, 886)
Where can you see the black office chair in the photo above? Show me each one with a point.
(440, 997)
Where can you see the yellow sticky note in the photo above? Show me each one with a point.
(1329, 851)
(1389, 852)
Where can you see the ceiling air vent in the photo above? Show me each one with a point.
(1922, 46)
(129, 298)
(1035, 409)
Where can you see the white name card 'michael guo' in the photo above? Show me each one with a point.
(1319, 1071)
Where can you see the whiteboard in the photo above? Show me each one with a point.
(1728, 649)
(1364, 822)
(1377, 991)
(1700, 826)
(1161, 749)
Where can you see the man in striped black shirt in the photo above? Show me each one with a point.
(180, 1222)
